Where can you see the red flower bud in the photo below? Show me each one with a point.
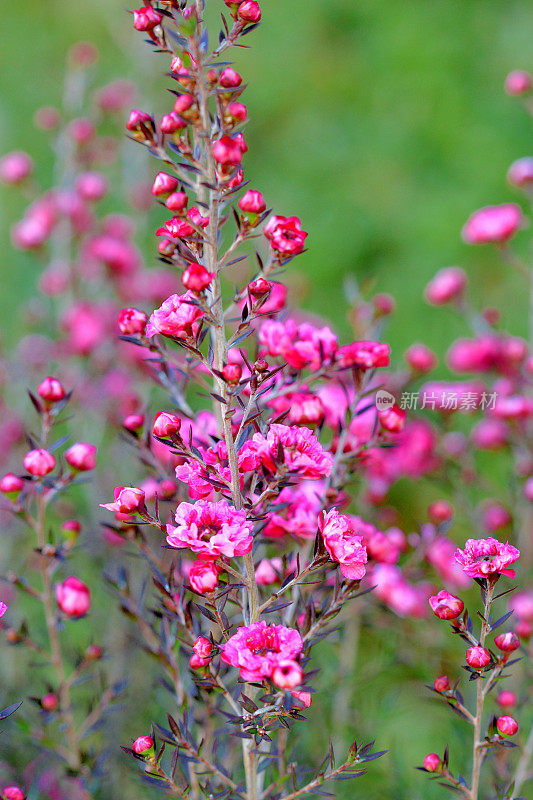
(227, 151)
(446, 606)
(177, 201)
(442, 684)
(93, 652)
(203, 576)
(133, 422)
(172, 122)
(304, 697)
(49, 702)
(131, 321)
(259, 288)
(196, 278)
(252, 202)
(11, 484)
(51, 390)
(138, 118)
(128, 499)
(197, 662)
(477, 657)
(420, 358)
(73, 597)
(203, 647)
(507, 698)
(92, 186)
(164, 184)
(39, 462)
(15, 167)
(230, 79)
(431, 762)
(12, 793)
(518, 82)
(507, 642)
(183, 103)
(81, 456)
(237, 111)
(249, 11)
(232, 373)
(507, 726)
(146, 18)
(165, 424)
(143, 745)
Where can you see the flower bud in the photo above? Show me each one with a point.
(81, 130)
(442, 684)
(81, 456)
(71, 528)
(260, 365)
(203, 576)
(73, 597)
(227, 151)
(447, 285)
(230, 79)
(49, 702)
(237, 112)
(93, 652)
(252, 202)
(39, 462)
(131, 321)
(520, 173)
(477, 657)
(507, 642)
(128, 500)
(492, 224)
(177, 201)
(507, 726)
(287, 674)
(440, 511)
(518, 82)
(196, 278)
(446, 606)
(203, 647)
(11, 484)
(164, 185)
(232, 373)
(133, 422)
(431, 762)
(507, 699)
(197, 662)
(15, 167)
(146, 18)
(137, 119)
(420, 358)
(51, 390)
(172, 122)
(165, 424)
(143, 745)
(91, 186)
(13, 793)
(249, 11)
(305, 698)
(259, 288)
(392, 419)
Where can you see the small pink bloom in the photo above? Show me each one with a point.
(365, 355)
(507, 642)
(287, 674)
(493, 224)
(522, 604)
(15, 167)
(142, 745)
(507, 726)
(448, 284)
(91, 186)
(164, 185)
(252, 202)
(392, 419)
(285, 235)
(13, 793)
(39, 462)
(268, 571)
(203, 576)
(146, 18)
(11, 484)
(203, 647)
(128, 500)
(133, 422)
(507, 699)
(518, 82)
(178, 316)
(301, 346)
(227, 151)
(344, 544)
(446, 606)
(431, 762)
(73, 597)
(51, 390)
(478, 657)
(49, 702)
(132, 321)
(520, 173)
(196, 278)
(171, 123)
(177, 201)
(299, 448)
(258, 649)
(420, 358)
(229, 78)
(305, 698)
(211, 529)
(483, 557)
(165, 424)
(81, 456)
(249, 11)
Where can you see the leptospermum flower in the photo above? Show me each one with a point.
(178, 316)
(482, 558)
(257, 650)
(493, 224)
(446, 606)
(344, 544)
(73, 597)
(211, 529)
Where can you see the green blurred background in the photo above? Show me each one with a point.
(381, 124)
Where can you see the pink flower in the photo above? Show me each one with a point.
(448, 284)
(507, 642)
(431, 762)
(128, 500)
(520, 172)
(344, 544)
(442, 683)
(507, 726)
(91, 186)
(203, 647)
(3, 609)
(196, 278)
(142, 745)
(285, 235)
(51, 390)
(365, 355)
(507, 698)
(15, 167)
(176, 228)
(298, 511)
(131, 321)
(203, 576)
(13, 793)
(493, 224)
(81, 456)
(11, 484)
(483, 557)
(178, 316)
(478, 657)
(73, 597)
(249, 11)
(304, 698)
(268, 571)
(287, 674)
(227, 151)
(257, 650)
(518, 82)
(301, 346)
(164, 185)
(146, 18)
(165, 424)
(211, 529)
(252, 202)
(198, 477)
(445, 605)
(420, 358)
(299, 448)
(39, 462)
